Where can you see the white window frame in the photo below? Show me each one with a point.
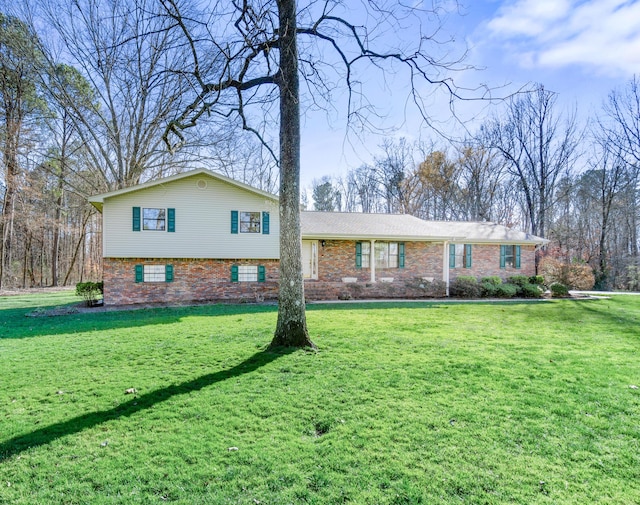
(154, 273)
(247, 222)
(365, 254)
(510, 256)
(385, 256)
(247, 273)
(157, 220)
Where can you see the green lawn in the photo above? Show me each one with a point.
(402, 404)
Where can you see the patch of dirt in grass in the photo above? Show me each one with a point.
(55, 311)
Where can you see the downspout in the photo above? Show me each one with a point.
(445, 265)
(372, 261)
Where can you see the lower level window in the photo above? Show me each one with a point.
(386, 254)
(247, 273)
(155, 273)
(510, 256)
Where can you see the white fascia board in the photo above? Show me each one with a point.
(98, 200)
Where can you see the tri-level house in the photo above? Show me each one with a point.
(200, 236)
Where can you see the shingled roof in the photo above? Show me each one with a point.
(361, 226)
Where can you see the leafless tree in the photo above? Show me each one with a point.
(538, 147)
(481, 174)
(620, 125)
(124, 51)
(20, 103)
(364, 182)
(250, 54)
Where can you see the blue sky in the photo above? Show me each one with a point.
(581, 49)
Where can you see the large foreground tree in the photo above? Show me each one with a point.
(248, 55)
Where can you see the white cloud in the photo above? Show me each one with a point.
(603, 35)
(528, 17)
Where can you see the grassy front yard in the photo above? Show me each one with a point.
(403, 404)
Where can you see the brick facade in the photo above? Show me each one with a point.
(210, 279)
(193, 280)
(337, 260)
(486, 262)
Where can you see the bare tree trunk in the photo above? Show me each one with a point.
(77, 248)
(291, 329)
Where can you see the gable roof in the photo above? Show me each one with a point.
(361, 226)
(352, 225)
(98, 200)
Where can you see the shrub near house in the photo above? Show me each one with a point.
(494, 287)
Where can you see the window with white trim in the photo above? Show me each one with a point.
(154, 273)
(460, 255)
(154, 219)
(247, 273)
(366, 254)
(249, 222)
(386, 254)
(510, 256)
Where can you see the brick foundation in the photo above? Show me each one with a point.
(210, 279)
(194, 280)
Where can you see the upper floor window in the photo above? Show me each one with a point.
(154, 219)
(249, 222)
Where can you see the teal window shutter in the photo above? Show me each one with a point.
(171, 220)
(467, 252)
(517, 256)
(262, 273)
(358, 255)
(503, 256)
(452, 255)
(401, 255)
(136, 219)
(234, 221)
(265, 223)
(234, 273)
(139, 273)
(168, 273)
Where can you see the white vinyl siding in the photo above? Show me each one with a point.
(202, 228)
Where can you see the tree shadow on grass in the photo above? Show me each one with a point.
(14, 324)
(609, 311)
(50, 433)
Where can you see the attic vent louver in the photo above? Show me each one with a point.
(202, 184)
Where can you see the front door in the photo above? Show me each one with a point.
(310, 259)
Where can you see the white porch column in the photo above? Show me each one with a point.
(445, 265)
(372, 261)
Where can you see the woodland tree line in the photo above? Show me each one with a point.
(530, 166)
(88, 87)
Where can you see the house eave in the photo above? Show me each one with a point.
(403, 238)
(421, 238)
(98, 200)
